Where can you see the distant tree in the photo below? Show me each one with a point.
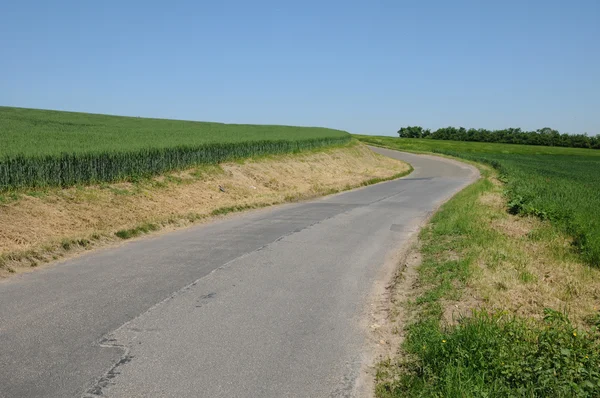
(549, 136)
(580, 141)
(544, 136)
(411, 132)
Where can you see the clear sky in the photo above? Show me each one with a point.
(361, 66)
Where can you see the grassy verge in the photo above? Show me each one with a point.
(554, 183)
(39, 226)
(504, 306)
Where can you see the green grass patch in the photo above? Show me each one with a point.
(499, 355)
(233, 209)
(137, 231)
(51, 148)
(372, 181)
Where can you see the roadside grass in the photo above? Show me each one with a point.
(554, 183)
(137, 231)
(105, 214)
(503, 307)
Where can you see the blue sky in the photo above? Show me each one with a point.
(361, 66)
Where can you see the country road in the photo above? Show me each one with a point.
(268, 303)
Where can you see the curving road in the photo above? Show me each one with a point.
(269, 303)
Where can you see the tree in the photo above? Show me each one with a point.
(411, 132)
(544, 136)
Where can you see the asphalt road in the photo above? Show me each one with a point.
(263, 304)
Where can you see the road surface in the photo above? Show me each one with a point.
(263, 304)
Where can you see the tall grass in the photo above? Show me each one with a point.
(50, 148)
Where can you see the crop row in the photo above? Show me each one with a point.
(70, 169)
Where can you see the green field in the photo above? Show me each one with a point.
(52, 148)
(555, 183)
(487, 319)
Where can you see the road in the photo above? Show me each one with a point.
(269, 303)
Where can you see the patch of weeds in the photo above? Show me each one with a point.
(292, 197)
(499, 355)
(159, 184)
(516, 205)
(173, 179)
(526, 277)
(330, 191)
(66, 244)
(136, 178)
(133, 232)
(203, 171)
(230, 209)
(571, 289)
(395, 176)
(10, 197)
(495, 258)
(593, 320)
(193, 217)
(120, 191)
(37, 194)
(126, 233)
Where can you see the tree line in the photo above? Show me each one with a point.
(545, 136)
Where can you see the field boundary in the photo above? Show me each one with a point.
(44, 148)
(67, 169)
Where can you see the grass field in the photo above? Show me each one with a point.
(501, 304)
(53, 148)
(559, 184)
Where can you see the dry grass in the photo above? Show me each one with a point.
(42, 226)
(530, 266)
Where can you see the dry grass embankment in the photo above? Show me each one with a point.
(44, 225)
